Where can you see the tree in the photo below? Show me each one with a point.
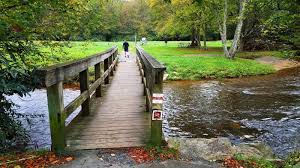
(271, 25)
(222, 21)
(25, 25)
(177, 17)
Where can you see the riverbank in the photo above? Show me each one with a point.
(197, 64)
(181, 66)
(278, 63)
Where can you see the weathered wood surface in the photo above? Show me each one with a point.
(152, 73)
(118, 119)
(59, 72)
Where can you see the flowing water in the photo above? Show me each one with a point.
(32, 111)
(265, 108)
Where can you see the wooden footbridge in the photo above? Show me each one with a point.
(121, 108)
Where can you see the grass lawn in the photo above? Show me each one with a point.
(72, 51)
(194, 64)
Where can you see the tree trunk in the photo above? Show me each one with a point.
(204, 37)
(223, 30)
(198, 38)
(238, 31)
(194, 39)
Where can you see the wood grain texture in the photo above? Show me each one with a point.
(118, 119)
(56, 73)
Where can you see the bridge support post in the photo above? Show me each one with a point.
(84, 85)
(56, 116)
(111, 59)
(114, 58)
(97, 76)
(106, 66)
(156, 125)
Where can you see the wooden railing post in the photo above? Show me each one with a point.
(156, 125)
(84, 85)
(110, 63)
(106, 66)
(114, 58)
(145, 76)
(56, 116)
(97, 76)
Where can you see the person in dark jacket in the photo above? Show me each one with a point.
(126, 46)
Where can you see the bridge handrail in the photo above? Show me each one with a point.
(53, 77)
(152, 72)
(59, 72)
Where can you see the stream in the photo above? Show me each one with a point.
(264, 108)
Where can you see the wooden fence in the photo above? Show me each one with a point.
(53, 78)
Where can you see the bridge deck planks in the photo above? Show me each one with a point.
(118, 119)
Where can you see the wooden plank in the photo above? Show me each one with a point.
(107, 132)
(110, 135)
(76, 103)
(104, 141)
(119, 114)
(106, 145)
(59, 72)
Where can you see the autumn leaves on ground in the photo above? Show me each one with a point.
(46, 159)
(33, 160)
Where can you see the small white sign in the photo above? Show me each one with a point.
(157, 115)
(158, 98)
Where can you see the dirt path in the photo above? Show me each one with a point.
(278, 63)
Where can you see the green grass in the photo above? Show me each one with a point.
(190, 64)
(64, 52)
(292, 161)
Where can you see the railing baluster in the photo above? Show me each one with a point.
(56, 116)
(84, 85)
(106, 66)
(114, 58)
(110, 63)
(97, 76)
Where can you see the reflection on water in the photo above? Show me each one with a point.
(32, 111)
(247, 109)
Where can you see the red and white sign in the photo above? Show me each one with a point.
(158, 98)
(157, 115)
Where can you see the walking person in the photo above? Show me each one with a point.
(126, 46)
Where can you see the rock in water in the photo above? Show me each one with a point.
(208, 149)
(258, 150)
(217, 148)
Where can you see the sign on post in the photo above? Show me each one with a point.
(158, 98)
(157, 115)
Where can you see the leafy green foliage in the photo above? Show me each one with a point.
(271, 25)
(22, 23)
